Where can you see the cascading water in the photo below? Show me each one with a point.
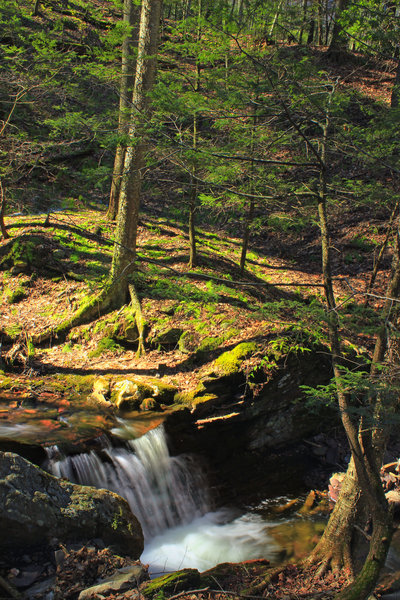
(169, 496)
(163, 491)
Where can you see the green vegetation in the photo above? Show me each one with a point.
(229, 362)
(106, 344)
(268, 140)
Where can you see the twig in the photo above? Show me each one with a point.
(200, 591)
(10, 589)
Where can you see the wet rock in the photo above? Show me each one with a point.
(100, 393)
(27, 576)
(149, 404)
(36, 506)
(128, 394)
(40, 589)
(285, 508)
(122, 580)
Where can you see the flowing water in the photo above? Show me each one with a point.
(170, 497)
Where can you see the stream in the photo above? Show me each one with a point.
(182, 523)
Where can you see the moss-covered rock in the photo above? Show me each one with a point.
(168, 337)
(28, 253)
(187, 579)
(232, 575)
(230, 362)
(149, 404)
(128, 394)
(100, 393)
(187, 342)
(197, 400)
(36, 507)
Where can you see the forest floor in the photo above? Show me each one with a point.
(214, 302)
(218, 305)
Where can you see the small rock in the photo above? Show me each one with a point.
(40, 589)
(59, 557)
(121, 581)
(27, 577)
(149, 404)
(393, 497)
(128, 395)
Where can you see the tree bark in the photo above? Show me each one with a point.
(336, 49)
(129, 44)
(304, 20)
(193, 181)
(129, 202)
(362, 486)
(394, 100)
(3, 229)
(36, 8)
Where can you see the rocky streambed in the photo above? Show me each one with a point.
(257, 442)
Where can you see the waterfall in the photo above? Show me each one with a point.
(163, 491)
(169, 496)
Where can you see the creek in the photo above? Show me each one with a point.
(183, 524)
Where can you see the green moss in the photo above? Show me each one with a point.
(205, 399)
(186, 342)
(14, 296)
(67, 348)
(13, 330)
(106, 344)
(230, 362)
(185, 398)
(81, 384)
(209, 344)
(174, 582)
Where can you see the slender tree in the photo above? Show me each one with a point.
(121, 286)
(362, 493)
(129, 200)
(130, 19)
(337, 44)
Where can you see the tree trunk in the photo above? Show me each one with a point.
(274, 20)
(193, 187)
(304, 21)
(129, 44)
(3, 229)
(124, 254)
(246, 236)
(192, 225)
(129, 201)
(362, 486)
(319, 22)
(250, 213)
(36, 8)
(394, 100)
(336, 49)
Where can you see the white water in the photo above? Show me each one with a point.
(169, 496)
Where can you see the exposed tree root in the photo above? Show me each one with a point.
(259, 588)
(140, 321)
(112, 298)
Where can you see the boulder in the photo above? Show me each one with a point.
(100, 393)
(129, 394)
(122, 580)
(167, 337)
(37, 507)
